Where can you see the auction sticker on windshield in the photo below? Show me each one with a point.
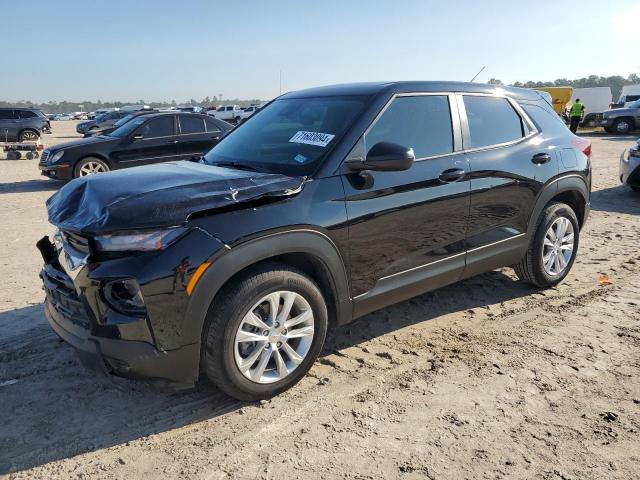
(312, 138)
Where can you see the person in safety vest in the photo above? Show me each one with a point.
(575, 115)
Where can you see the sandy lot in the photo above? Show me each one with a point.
(489, 378)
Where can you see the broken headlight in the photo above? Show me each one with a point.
(137, 241)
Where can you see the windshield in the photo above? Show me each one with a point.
(635, 104)
(290, 136)
(128, 127)
(123, 120)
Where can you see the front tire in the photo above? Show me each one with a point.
(90, 166)
(623, 126)
(553, 248)
(263, 332)
(28, 136)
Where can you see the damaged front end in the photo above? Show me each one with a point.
(124, 313)
(120, 270)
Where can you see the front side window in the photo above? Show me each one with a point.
(492, 121)
(422, 122)
(291, 136)
(6, 114)
(190, 125)
(158, 127)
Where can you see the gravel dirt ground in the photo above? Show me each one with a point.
(489, 378)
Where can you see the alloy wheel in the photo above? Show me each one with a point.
(557, 248)
(622, 126)
(91, 168)
(274, 337)
(29, 136)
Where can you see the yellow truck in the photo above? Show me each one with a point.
(560, 96)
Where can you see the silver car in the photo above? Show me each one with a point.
(22, 124)
(630, 167)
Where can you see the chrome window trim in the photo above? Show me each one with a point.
(527, 123)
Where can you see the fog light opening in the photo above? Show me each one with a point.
(125, 296)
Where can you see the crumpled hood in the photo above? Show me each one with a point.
(158, 196)
(617, 112)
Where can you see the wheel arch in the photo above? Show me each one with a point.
(570, 189)
(28, 129)
(308, 250)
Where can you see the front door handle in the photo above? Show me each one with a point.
(540, 158)
(451, 175)
(173, 141)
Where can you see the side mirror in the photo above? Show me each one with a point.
(385, 157)
(137, 136)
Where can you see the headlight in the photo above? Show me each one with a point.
(57, 156)
(138, 241)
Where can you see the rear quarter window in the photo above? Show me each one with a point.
(547, 121)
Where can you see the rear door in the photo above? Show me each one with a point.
(407, 228)
(8, 125)
(194, 140)
(509, 165)
(152, 142)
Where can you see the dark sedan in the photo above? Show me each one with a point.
(107, 129)
(143, 140)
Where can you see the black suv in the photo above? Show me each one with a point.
(22, 124)
(327, 204)
(142, 140)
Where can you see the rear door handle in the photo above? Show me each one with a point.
(540, 158)
(173, 141)
(451, 175)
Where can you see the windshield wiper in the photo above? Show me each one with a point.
(239, 166)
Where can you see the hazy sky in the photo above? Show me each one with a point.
(163, 50)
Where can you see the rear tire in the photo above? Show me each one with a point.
(537, 266)
(241, 334)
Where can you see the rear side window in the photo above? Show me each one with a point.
(189, 125)
(6, 114)
(212, 126)
(492, 121)
(421, 122)
(26, 114)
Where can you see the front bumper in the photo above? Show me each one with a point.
(112, 343)
(629, 170)
(61, 171)
(606, 121)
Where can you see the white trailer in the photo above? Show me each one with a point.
(595, 100)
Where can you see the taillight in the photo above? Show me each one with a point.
(583, 144)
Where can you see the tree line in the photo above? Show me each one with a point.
(92, 106)
(615, 82)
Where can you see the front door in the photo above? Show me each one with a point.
(407, 229)
(152, 142)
